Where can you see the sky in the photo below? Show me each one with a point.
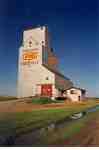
(74, 28)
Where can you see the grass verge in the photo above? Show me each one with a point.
(60, 136)
(23, 122)
(27, 121)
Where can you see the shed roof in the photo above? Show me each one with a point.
(83, 90)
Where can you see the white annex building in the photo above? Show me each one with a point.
(75, 94)
(38, 73)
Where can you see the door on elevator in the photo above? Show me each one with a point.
(46, 90)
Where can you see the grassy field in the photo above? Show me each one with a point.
(60, 136)
(17, 123)
(26, 121)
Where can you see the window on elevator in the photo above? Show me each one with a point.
(47, 78)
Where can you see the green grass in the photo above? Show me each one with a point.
(7, 124)
(61, 135)
(27, 121)
(45, 100)
(24, 122)
(42, 100)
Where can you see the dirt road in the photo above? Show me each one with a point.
(22, 106)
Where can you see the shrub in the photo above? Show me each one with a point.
(42, 100)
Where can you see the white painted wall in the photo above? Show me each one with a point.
(29, 75)
(55, 92)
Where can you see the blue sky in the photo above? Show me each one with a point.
(74, 28)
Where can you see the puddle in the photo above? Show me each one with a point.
(93, 109)
(77, 116)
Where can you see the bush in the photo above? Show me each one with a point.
(42, 100)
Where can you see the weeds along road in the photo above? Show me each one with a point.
(88, 136)
(93, 134)
(91, 137)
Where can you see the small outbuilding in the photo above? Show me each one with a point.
(75, 94)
